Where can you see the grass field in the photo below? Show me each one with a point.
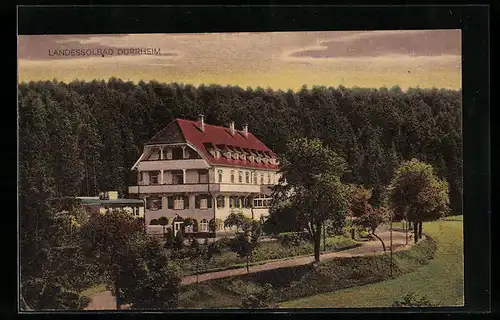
(441, 281)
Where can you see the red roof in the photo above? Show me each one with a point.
(216, 136)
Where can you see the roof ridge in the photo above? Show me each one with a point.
(212, 125)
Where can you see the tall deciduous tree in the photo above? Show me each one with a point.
(311, 182)
(416, 193)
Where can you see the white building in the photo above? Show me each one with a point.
(195, 170)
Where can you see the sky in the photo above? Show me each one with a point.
(277, 60)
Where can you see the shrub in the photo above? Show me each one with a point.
(179, 240)
(224, 244)
(412, 300)
(153, 222)
(261, 298)
(169, 237)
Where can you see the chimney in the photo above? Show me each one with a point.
(245, 130)
(201, 120)
(231, 126)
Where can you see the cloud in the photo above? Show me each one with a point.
(384, 43)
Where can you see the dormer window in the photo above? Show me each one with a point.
(251, 158)
(258, 159)
(243, 157)
(217, 153)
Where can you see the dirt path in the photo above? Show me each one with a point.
(105, 300)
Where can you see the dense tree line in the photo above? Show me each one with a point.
(83, 137)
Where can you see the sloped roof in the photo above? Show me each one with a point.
(182, 130)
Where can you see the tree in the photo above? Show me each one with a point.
(416, 193)
(365, 216)
(106, 237)
(247, 235)
(311, 183)
(53, 278)
(156, 280)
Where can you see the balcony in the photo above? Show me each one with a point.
(168, 188)
(172, 164)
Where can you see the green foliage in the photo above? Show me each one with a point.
(154, 222)
(260, 299)
(95, 130)
(162, 221)
(416, 192)
(304, 280)
(282, 219)
(56, 269)
(179, 240)
(412, 300)
(156, 280)
(169, 239)
(313, 187)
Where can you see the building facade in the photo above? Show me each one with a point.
(110, 201)
(195, 170)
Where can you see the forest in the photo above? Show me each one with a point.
(80, 138)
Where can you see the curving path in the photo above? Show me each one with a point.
(106, 301)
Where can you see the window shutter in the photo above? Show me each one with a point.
(197, 202)
(186, 202)
(209, 202)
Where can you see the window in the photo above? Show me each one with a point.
(141, 177)
(177, 177)
(153, 203)
(219, 175)
(247, 203)
(203, 225)
(203, 202)
(178, 203)
(261, 178)
(255, 178)
(203, 176)
(233, 202)
(154, 177)
(169, 154)
(251, 158)
(268, 178)
(221, 202)
(247, 177)
(240, 176)
(262, 201)
(232, 176)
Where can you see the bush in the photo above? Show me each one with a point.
(179, 240)
(224, 244)
(262, 298)
(293, 238)
(412, 300)
(153, 222)
(169, 239)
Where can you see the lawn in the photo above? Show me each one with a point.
(296, 282)
(441, 280)
(266, 251)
